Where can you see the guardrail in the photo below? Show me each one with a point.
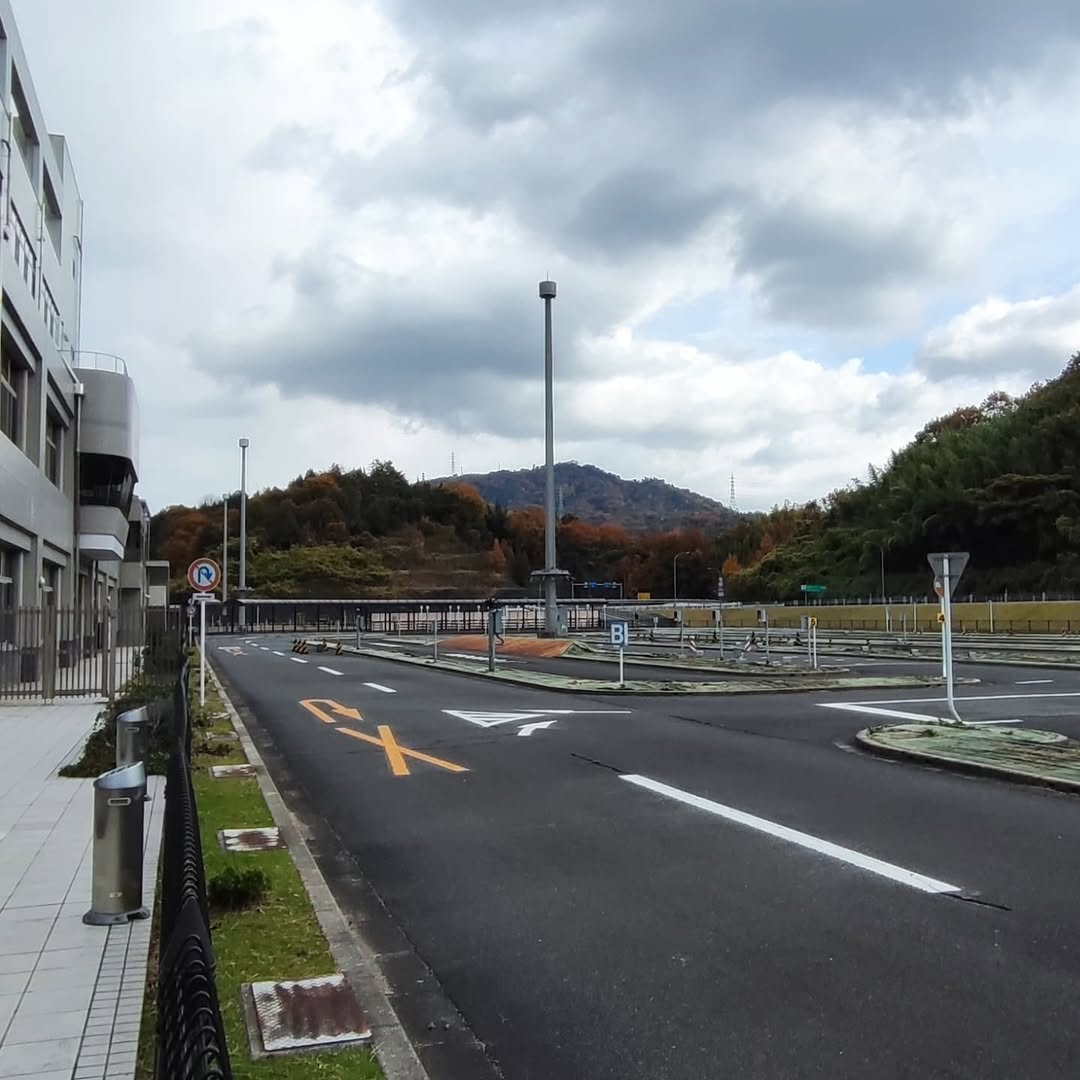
(190, 1032)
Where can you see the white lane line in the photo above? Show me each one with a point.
(896, 714)
(975, 697)
(793, 836)
(265, 648)
(297, 660)
(331, 671)
(1033, 682)
(873, 710)
(379, 686)
(276, 653)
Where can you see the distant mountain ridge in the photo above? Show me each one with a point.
(601, 497)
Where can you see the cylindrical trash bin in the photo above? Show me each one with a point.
(116, 891)
(131, 730)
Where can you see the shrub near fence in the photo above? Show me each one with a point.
(190, 1033)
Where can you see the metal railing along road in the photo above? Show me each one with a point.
(190, 1032)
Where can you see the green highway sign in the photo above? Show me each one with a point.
(813, 588)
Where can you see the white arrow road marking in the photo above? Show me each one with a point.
(793, 836)
(527, 729)
(491, 719)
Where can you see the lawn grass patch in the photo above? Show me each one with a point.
(278, 937)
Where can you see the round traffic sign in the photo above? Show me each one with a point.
(203, 575)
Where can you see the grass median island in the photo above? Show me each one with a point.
(277, 938)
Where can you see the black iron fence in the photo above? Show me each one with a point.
(387, 616)
(190, 1033)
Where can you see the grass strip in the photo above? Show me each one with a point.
(280, 938)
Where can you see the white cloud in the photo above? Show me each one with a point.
(321, 226)
(1028, 338)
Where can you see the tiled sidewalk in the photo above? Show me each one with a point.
(70, 995)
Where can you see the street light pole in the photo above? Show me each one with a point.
(675, 574)
(551, 616)
(244, 443)
(224, 549)
(882, 550)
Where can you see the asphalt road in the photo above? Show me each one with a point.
(615, 895)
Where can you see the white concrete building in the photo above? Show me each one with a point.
(69, 424)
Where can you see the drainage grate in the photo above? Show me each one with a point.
(305, 1013)
(250, 839)
(232, 772)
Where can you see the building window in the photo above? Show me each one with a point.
(54, 443)
(51, 588)
(9, 576)
(10, 379)
(106, 480)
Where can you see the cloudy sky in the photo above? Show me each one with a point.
(786, 233)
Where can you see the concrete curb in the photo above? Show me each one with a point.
(351, 953)
(565, 685)
(688, 664)
(866, 740)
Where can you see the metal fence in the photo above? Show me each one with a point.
(50, 652)
(190, 1032)
(387, 616)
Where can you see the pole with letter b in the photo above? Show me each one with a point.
(619, 635)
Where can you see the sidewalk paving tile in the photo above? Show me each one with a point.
(70, 995)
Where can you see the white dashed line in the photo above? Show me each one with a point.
(276, 653)
(331, 671)
(379, 686)
(793, 836)
(297, 660)
(1033, 682)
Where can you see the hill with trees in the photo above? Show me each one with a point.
(999, 480)
(371, 533)
(602, 498)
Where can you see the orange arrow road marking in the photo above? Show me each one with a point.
(312, 706)
(396, 753)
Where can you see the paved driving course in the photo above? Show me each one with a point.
(614, 888)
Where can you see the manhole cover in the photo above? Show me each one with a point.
(232, 772)
(250, 839)
(304, 1013)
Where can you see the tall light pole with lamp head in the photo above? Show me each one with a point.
(242, 588)
(675, 574)
(550, 573)
(224, 548)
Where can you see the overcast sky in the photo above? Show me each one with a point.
(786, 233)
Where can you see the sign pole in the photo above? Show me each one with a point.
(813, 634)
(946, 600)
(622, 679)
(202, 649)
(435, 639)
(766, 637)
